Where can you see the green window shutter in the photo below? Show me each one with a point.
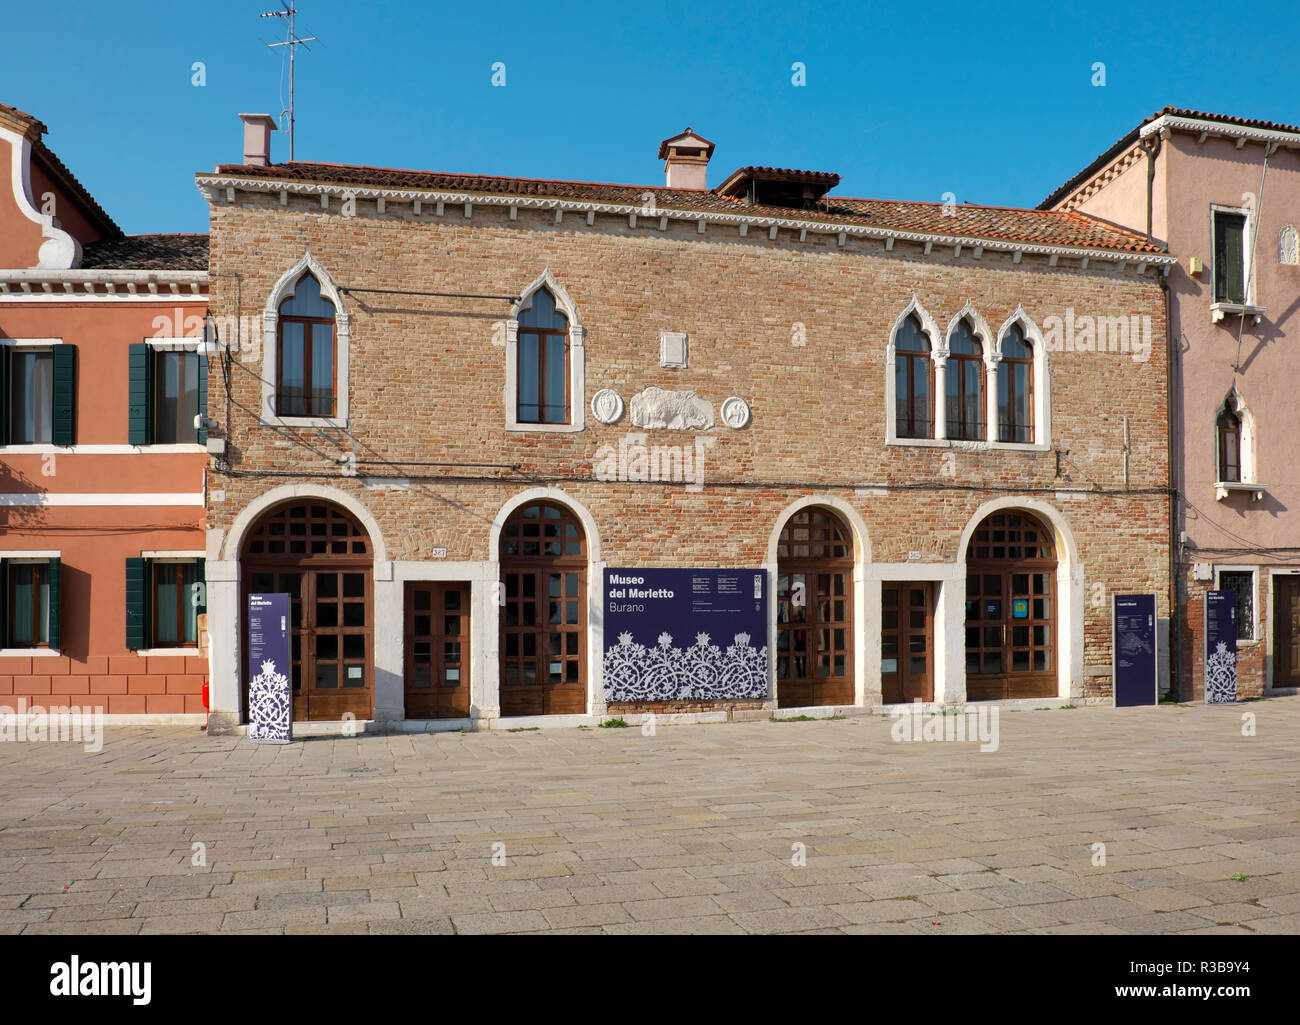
(4, 394)
(4, 611)
(53, 629)
(138, 394)
(137, 604)
(201, 578)
(203, 401)
(65, 393)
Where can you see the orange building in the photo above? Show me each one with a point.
(102, 449)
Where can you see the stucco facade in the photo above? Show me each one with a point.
(89, 501)
(1173, 173)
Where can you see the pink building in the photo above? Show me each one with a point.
(1223, 194)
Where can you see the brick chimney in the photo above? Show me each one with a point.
(686, 160)
(257, 138)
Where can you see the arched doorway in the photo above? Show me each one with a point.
(1011, 604)
(814, 618)
(543, 651)
(320, 556)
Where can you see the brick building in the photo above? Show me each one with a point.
(101, 502)
(1220, 193)
(454, 401)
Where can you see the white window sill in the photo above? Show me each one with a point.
(306, 421)
(961, 445)
(100, 450)
(552, 428)
(168, 652)
(30, 653)
(1220, 310)
(1223, 488)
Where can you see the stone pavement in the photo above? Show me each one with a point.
(692, 830)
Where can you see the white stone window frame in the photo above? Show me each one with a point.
(577, 358)
(992, 344)
(1246, 451)
(938, 358)
(1254, 596)
(284, 289)
(1042, 386)
(1249, 308)
(989, 344)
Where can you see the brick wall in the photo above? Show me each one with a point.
(427, 384)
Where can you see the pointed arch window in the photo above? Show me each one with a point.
(543, 368)
(306, 377)
(1016, 387)
(1228, 426)
(913, 381)
(965, 384)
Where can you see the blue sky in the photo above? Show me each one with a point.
(991, 102)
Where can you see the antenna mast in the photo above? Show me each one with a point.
(288, 11)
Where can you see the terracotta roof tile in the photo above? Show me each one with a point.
(148, 252)
(1005, 224)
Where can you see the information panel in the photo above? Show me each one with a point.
(685, 634)
(1134, 637)
(1220, 647)
(270, 687)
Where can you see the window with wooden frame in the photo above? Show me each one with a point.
(1016, 387)
(543, 369)
(30, 603)
(306, 379)
(167, 396)
(913, 382)
(965, 385)
(37, 394)
(1228, 430)
(164, 598)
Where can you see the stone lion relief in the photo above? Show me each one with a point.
(671, 410)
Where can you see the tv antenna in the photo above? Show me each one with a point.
(287, 11)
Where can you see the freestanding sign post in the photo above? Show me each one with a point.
(682, 634)
(1220, 647)
(1134, 679)
(270, 684)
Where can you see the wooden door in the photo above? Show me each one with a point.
(1286, 631)
(814, 611)
(542, 655)
(437, 651)
(906, 642)
(1010, 634)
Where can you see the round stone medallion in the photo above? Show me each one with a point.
(607, 406)
(735, 412)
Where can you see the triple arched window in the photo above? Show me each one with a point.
(974, 386)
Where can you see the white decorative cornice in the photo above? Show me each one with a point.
(1204, 126)
(213, 187)
(117, 285)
